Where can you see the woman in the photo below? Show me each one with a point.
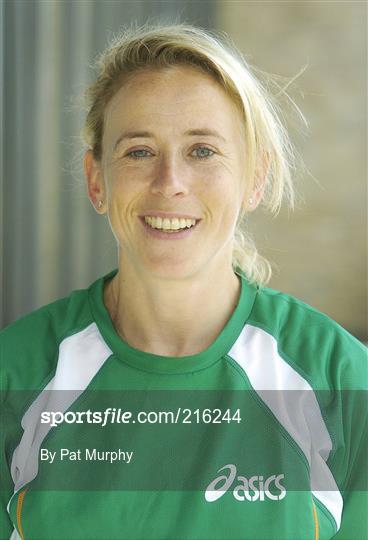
(263, 429)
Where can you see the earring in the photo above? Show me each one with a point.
(250, 200)
(99, 204)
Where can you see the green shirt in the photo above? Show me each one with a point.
(260, 436)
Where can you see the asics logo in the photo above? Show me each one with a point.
(246, 489)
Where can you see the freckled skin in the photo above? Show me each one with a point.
(170, 174)
(164, 287)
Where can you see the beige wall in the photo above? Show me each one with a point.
(320, 250)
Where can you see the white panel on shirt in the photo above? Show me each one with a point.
(298, 412)
(81, 356)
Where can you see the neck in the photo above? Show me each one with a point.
(178, 317)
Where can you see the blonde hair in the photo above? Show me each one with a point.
(270, 153)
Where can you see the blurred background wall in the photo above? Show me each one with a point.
(52, 240)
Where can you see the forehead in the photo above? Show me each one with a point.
(171, 97)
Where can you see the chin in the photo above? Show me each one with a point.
(173, 269)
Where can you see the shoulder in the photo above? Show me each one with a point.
(57, 318)
(313, 343)
(278, 308)
(29, 346)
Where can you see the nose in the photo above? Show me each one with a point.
(170, 178)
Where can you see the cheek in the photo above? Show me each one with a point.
(222, 187)
(124, 183)
(123, 194)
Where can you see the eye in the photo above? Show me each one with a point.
(139, 154)
(203, 152)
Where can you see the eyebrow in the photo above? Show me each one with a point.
(205, 132)
(133, 135)
(148, 134)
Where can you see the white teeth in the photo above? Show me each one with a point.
(169, 225)
(166, 224)
(175, 224)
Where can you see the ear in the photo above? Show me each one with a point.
(255, 196)
(95, 182)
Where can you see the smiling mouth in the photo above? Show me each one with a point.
(170, 225)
